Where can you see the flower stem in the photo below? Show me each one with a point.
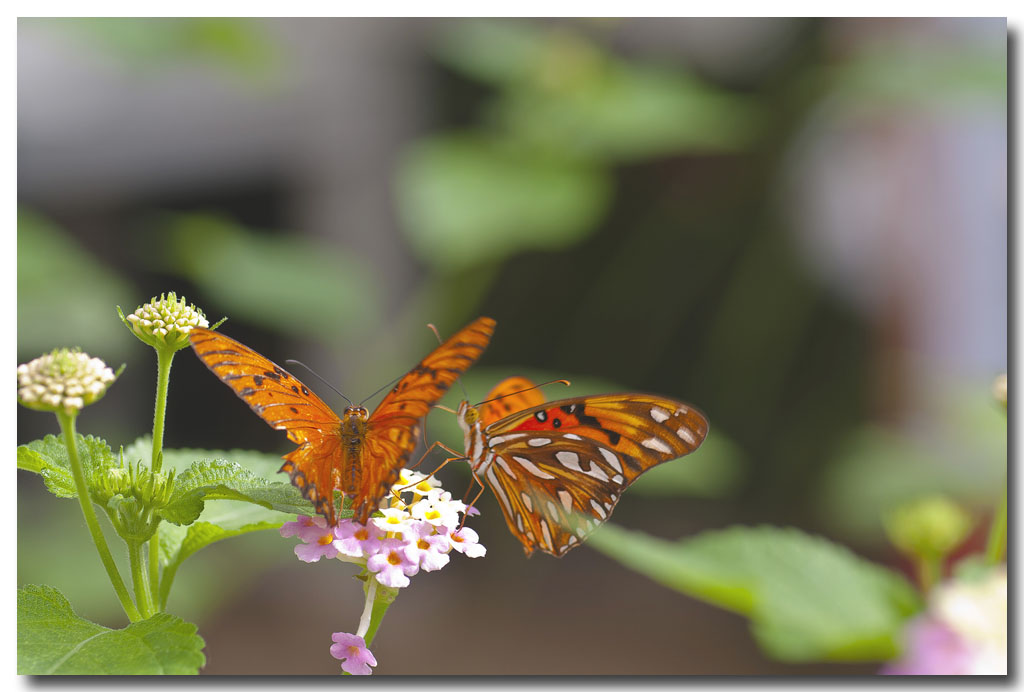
(164, 358)
(67, 426)
(142, 594)
(364, 621)
(929, 572)
(995, 549)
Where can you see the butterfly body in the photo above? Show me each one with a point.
(559, 469)
(357, 453)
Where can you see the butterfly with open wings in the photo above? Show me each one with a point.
(559, 468)
(358, 453)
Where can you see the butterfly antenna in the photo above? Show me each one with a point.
(317, 376)
(536, 386)
(465, 395)
(388, 385)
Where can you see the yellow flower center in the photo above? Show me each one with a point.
(431, 514)
(326, 539)
(394, 558)
(362, 534)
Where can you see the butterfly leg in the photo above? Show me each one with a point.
(475, 498)
(457, 457)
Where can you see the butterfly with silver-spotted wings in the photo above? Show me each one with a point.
(559, 468)
(358, 453)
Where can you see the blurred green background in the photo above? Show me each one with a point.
(799, 226)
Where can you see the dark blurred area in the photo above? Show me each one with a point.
(799, 226)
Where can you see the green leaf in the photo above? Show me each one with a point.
(317, 272)
(226, 480)
(808, 599)
(492, 51)
(52, 640)
(466, 200)
(53, 266)
(628, 113)
(49, 458)
(218, 521)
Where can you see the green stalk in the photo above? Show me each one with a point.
(929, 572)
(995, 549)
(142, 594)
(67, 426)
(164, 357)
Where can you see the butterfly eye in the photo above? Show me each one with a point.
(471, 416)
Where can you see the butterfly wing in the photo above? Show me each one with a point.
(281, 400)
(508, 396)
(560, 468)
(393, 429)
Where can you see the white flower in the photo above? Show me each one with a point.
(165, 321)
(63, 380)
(976, 610)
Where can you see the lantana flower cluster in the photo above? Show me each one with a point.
(418, 528)
(63, 380)
(963, 631)
(165, 321)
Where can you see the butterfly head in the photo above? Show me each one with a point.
(468, 416)
(353, 423)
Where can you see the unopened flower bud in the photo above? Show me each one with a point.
(63, 380)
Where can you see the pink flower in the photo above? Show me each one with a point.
(467, 542)
(426, 548)
(295, 528)
(356, 540)
(317, 539)
(351, 650)
(392, 566)
(932, 648)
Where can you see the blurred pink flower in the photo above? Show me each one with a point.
(351, 650)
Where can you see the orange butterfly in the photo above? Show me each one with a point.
(359, 454)
(559, 468)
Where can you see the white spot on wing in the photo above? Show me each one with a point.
(596, 472)
(527, 501)
(659, 414)
(506, 468)
(611, 458)
(657, 445)
(686, 435)
(598, 508)
(551, 508)
(618, 479)
(568, 459)
(572, 436)
(539, 442)
(566, 499)
(547, 535)
(533, 468)
(499, 491)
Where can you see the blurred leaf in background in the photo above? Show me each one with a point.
(560, 90)
(535, 173)
(239, 43)
(54, 309)
(878, 469)
(470, 199)
(807, 599)
(289, 284)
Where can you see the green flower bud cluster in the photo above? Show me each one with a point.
(129, 494)
(63, 380)
(165, 322)
(928, 528)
